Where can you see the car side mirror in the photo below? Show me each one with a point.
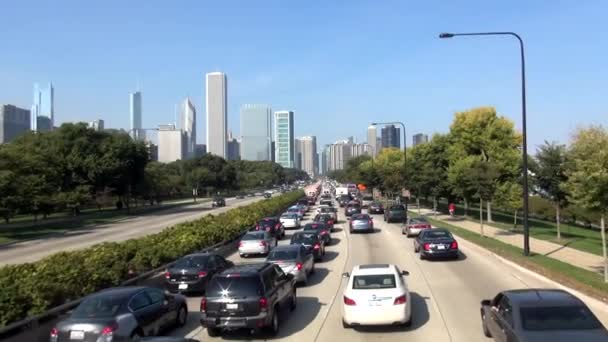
(405, 273)
(486, 302)
(345, 275)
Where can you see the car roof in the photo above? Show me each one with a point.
(245, 269)
(286, 248)
(374, 269)
(119, 292)
(200, 254)
(542, 297)
(307, 233)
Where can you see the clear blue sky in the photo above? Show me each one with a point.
(339, 66)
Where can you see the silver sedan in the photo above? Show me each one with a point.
(256, 242)
(361, 223)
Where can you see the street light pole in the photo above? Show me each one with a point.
(404, 145)
(524, 130)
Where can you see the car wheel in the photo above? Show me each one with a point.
(213, 332)
(345, 325)
(484, 327)
(294, 300)
(182, 316)
(136, 335)
(273, 329)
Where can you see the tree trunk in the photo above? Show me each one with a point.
(559, 233)
(481, 216)
(466, 207)
(489, 205)
(435, 206)
(418, 204)
(603, 230)
(515, 219)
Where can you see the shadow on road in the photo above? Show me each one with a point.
(319, 275)
(329, 256)
(420, 316)
(335, 241)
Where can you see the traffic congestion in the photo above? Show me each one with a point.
(338, 265)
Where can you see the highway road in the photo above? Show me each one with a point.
(32, 250)
(445, 294)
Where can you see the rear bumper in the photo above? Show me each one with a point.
(254, 250)
(366, 228)
(375, 211)
(396, 314)
(192, 286)
(250, 322)
(291, 225)
(449, 253)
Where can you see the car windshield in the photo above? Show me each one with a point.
(191, 261)
(374, 281)
(436, 234)
(253, 236)
(283, 255)
(102, 306)
(558, 318)
(304, 238)
(234, 287)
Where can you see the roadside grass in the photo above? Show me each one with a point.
(582, 239)
(587, 282)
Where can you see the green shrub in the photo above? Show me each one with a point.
(33, 288)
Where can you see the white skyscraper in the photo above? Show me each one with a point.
(217, 113)
(306, 148)
(136, 130)
(188, 125)
(171, 144)
(284, 138)
(372, 139)
(42, 115)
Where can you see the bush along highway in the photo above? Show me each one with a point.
(32, 288)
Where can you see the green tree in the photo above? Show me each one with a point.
(509, 196)
(587, 174)
(551, 175)
(459, 177)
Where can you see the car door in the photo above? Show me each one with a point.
(165, 307)
(220, 264)
(495, 322)
(505, 320)
(308, 257)
(144, 312)
(272, 292)
(281, 282)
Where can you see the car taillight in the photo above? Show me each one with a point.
(263, 303)
(454, 245)
(262, 243)
(400, 300)
(268, 228)
(278, 225)
(370, 222)
(202, 274)
(427, 246)
(330, 222)
(241, 243)
(110, 329)
(54, 332)
(349, 301)
(167, 275)
(324, 232)
(203, 304)
(299, 266)
(317, 246)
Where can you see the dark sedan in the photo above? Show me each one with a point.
(272, 225)
(191, 272)
(218, 202)
(436, 243)
(122, 314)
(327, 219)
(540, 315)
(395, 213)
(352, 208)
(312, 241)
(375, 208)
(322, 229)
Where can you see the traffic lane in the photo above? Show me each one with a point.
(381, 247)
(313, 300)
(30, 251)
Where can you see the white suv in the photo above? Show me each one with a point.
(376, 294)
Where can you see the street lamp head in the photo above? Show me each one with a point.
(446, 35)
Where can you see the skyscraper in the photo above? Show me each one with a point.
(390, 136)
(339, 154)
(171, 144)
(217, 113)
(188, 123)
(97, 125)
(307, 154)
(136, 130)
(284, 139)
(372, 134)
(420, 138)
(256, 132)
(43, 110)
(361, 150)
(233, 148)
(14, 121)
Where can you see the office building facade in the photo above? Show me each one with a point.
(256, 132)
(339, 154)
(420, 138)
(306, 148)
(14, 121)
(234, 148)
(390, 136)
(188, 124)
(217, 113)
(135, 115)
(361, 150)
(284, 138)
(42, 114)
(98, 125)
(171, 144)
(200, 150)
(372, 138)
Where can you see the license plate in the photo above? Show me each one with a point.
(182, 286)
(232, 306)
(375, 303)
(76, 335)
(440, 247)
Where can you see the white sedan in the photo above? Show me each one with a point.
(376, 294)
(290, 220)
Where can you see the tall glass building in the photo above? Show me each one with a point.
(284, 139)
(43, 109)
(256, 132)
(135, 114)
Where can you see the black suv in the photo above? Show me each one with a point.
(250, 296)
(218, 202)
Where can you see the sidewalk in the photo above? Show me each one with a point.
(587, 261)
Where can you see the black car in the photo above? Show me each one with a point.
(312, 241)
(218, 202)
(272, 225)
(122, 314)
(352, 208)
(321, 228)
(251, 296)
(436, 243)
(267, 195)
(395, 213)
(192, 272)
(328, 202)
(539, 315)
(343, 200)
(375, 208)
(327, 219)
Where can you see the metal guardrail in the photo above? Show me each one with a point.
(34, 321)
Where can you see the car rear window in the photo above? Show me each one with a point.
(360, 217)
(98, 307)
(418, 221)
(315, 226)
(558, 318)
(253, 236)
(191, 261)
(237, 286)
(304, 238)
(283, 255)
(374, 281)
(439, 234)
(397, 207)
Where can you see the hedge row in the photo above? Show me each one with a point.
(32, 288)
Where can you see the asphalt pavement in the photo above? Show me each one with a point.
(445, 295)
(137, 226)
